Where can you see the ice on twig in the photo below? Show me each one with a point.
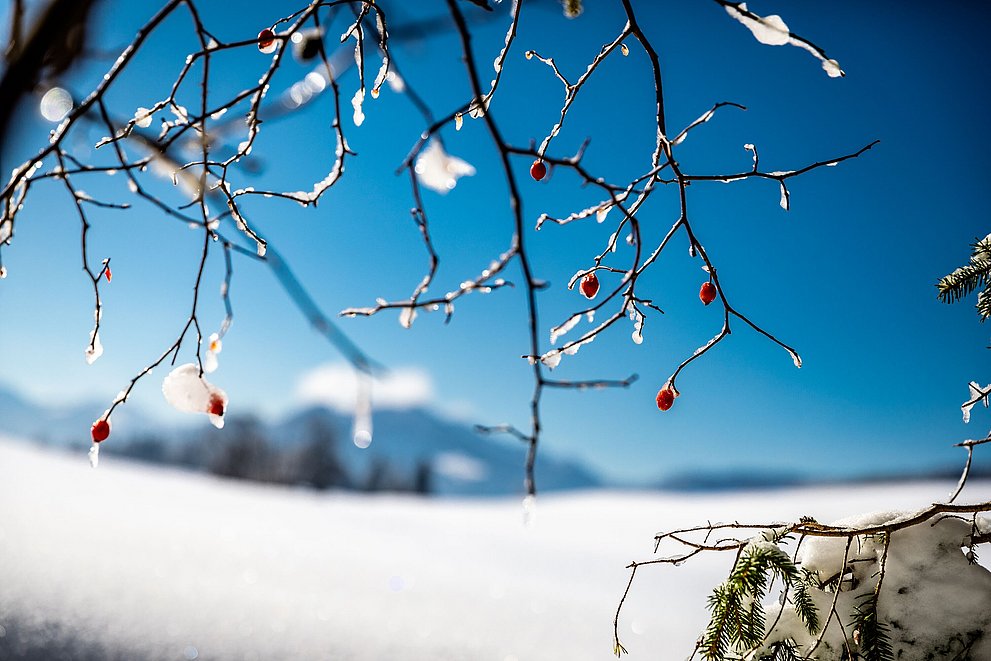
(977, 394)
(94, 349)
(439, 171)
(94, 455)
(785, 197)
(142, 117)
(407, 316)
(773, 31)
(214, 346)
(356, 102)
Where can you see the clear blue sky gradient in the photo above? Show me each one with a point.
(846, 276)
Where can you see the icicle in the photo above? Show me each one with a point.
(362, 428)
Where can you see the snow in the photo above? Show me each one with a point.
(928, 582)
(142, 563)
(189, 392)
(439, 171)
(773, 31)
(142, 117)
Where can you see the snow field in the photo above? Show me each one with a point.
(133, 562)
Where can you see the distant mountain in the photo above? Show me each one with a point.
(460, 461)
(63, 425)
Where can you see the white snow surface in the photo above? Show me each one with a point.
(134, 562)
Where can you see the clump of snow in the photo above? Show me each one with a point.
(189, 392)
(933, 600)
(439, 171)
(773, 31)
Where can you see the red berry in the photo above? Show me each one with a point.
(266, 39)
(108, 274)
(100, 430)
(707, 293)
(665, 398)
(216, 406)
(589, 285)
(538, 170)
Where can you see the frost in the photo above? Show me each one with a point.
(94, 349)
(261, 248)
(458, 121)
(142, 117)
(356, 101)
(407, 316)
(188, 392)
(785, 197)
(439, 171)
(795, 358)
(602, 212)
(624, 49)
(94, 455)
(3, 272)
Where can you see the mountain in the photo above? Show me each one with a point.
(461, 461)
(458, 460)
(64, 425)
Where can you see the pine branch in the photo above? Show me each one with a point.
(965, 280)
(738, 619)
(874, 643)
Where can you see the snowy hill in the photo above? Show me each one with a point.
(134, 562)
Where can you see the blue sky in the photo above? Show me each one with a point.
(846, 276)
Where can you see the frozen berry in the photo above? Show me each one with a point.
(589, 285)
(100, 430)
(707, 294)
(266, 40)
(538, 170)
(108, 274)
(216, 406)
(665, 398)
